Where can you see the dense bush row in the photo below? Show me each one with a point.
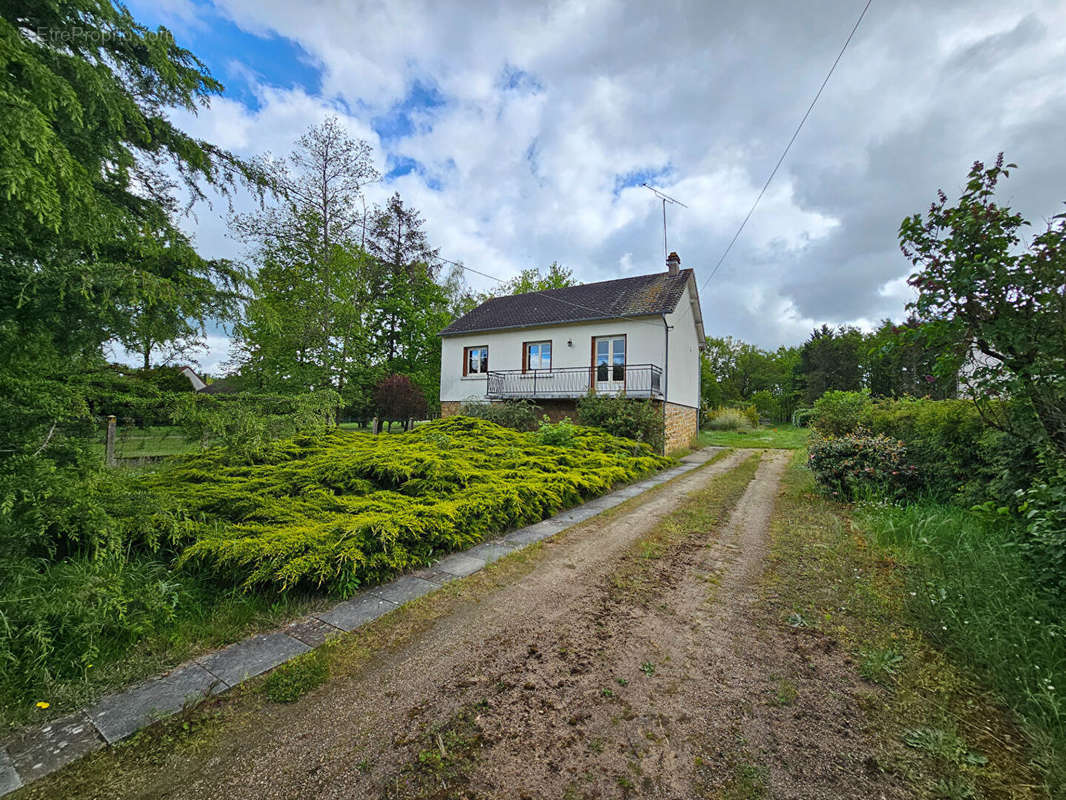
(327, 511)
(338, 511)
(519, 415)
(943, 449)
(618, 415)
(639, 420)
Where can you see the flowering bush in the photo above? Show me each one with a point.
(860, 464)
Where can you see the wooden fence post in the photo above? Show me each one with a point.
(109, 444)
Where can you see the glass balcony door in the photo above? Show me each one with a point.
(609, 363)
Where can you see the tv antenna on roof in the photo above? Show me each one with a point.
(666, 199)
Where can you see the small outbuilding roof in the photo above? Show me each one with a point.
(639, 296)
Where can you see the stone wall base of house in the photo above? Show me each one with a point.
(449, 408)
(558, 410)
(682, 427)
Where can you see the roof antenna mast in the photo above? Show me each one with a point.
(666, 199)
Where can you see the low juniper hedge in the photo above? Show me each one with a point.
(340, 510)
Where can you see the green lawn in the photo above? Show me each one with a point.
(787, 437)
(396, 426)
(151, 442)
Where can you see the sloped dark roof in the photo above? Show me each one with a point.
(639, 296)
(221, 386)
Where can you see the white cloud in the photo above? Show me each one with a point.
(704, 95)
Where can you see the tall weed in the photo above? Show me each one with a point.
(975, 593)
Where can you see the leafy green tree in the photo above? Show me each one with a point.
(532, 279)
(90, 169)
(737, 372)
(305, 326)
(899, 362)
(831, 360)
(980, 285)
(410, 307)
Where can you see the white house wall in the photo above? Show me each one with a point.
(683, 373)
(645, 344)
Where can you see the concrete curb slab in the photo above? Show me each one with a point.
(535, 533)
(41, 752)
(491, 551)
(460, 564)
(311, 631)
(120, 715)
(9, 779)
(354, 613)
(404, 590)
(252, 657)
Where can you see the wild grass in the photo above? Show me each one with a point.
(728, 419)
(973, 592)
(930, 692)
(292, 680)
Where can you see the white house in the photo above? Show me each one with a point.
(640, 336)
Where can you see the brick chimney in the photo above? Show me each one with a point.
(673, 263)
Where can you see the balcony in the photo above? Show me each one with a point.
(635, 380)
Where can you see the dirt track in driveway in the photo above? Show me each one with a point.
(629, 661)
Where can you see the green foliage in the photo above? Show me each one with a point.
(57, 618)
(980, 288)
(858, 465)
(561, 434)
(295, 678)
(735, 372)
(520, 415)
(244, 424)
(638, 420)
(899, 362)
(340, 510)
(880, 665)
(837, 413)
(831, 360)
(974, 592)
(88, 239)
(1044, 512)
(946, 440)
(728, 419)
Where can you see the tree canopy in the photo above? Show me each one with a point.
(981, 289)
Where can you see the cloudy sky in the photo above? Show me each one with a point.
(523, 131)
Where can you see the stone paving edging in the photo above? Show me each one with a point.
(41, 751)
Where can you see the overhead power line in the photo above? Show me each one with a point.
(788, 146)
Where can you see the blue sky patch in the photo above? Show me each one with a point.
(410, 115)
(396, 166)
(638, 176)
(237, 58)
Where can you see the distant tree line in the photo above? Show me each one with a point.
(892, 361)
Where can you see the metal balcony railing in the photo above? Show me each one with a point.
(635, 380)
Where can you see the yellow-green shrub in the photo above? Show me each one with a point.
(344, 509)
